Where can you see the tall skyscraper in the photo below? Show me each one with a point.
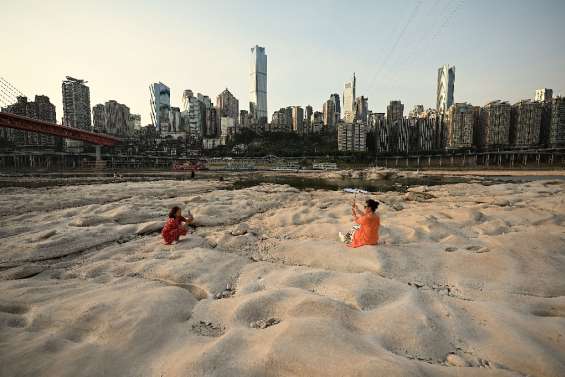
(258, 84)
(160, 104)
(349, 100)
(544, 95)
(445, 87)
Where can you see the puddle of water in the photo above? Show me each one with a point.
(309, 183)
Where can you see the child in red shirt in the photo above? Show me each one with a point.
(174, 228)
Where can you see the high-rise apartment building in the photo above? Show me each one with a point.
(282, 120)
(351, 137)
(525, 123)
(394, 112)
(41, 109)
(244, 119)
(213, 122)
(494, 125)
(557, 128)
(544, 95)
(258, 84)
(329, 113)
(349, 100)
(375, 120)
(76, 108)
(461, 118)
(297, 119)
(195, 112)
(308, 112)
(76, 104)
(160, 104)
(228, 105)
(317, 122)
(361, 109)
(445, 88)
(111, 118)
(175, 122)
(335, 99)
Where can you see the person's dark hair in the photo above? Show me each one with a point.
(373, 204)
(173, 212)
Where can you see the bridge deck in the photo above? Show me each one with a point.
(29, 124)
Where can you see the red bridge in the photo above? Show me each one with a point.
(28, 124)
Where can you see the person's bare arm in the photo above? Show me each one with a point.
(355, 211)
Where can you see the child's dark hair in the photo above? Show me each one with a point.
(173, 212)
(373, 204)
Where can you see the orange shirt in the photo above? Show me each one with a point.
(368, 233)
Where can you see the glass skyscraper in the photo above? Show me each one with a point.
(258, 83)
(160, 104)
(445, 88)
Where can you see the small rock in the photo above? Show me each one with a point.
(450, 249)
(483, 249)
(397, 206)
(416, 284)
(240, 229)
(456, 360)
(502, 202)
(263, 324)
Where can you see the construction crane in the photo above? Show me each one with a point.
(8, 93)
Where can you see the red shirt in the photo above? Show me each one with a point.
(368, 233)
(172, 229)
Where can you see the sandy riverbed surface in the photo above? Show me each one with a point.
(470, 281)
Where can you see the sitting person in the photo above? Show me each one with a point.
(365, 231)
(174, 228)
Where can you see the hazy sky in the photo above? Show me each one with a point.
(501, 49)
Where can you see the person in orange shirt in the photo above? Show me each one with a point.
(366, 229)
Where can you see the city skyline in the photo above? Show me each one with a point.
(393, 60)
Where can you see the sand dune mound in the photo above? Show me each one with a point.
(468, 281)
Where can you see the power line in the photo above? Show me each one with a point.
(395, 44)
(434, 35)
